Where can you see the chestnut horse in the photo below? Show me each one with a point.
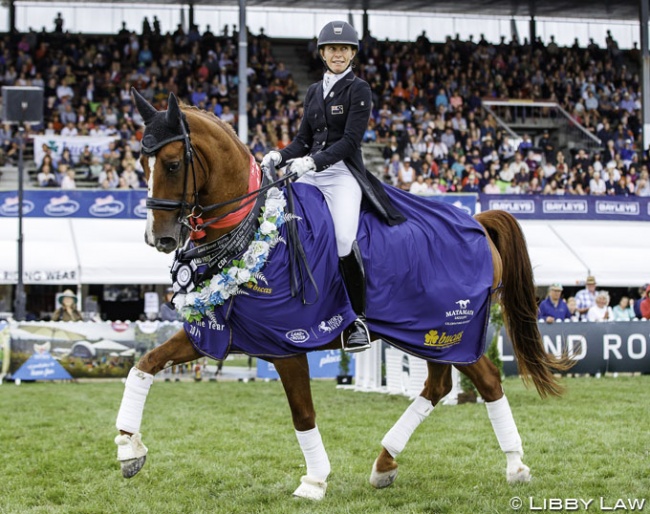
(197, 169)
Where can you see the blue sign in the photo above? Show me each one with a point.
(323, 364)
(539, 207)
(58, 203)
(41, 366)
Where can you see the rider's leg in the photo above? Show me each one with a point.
(343, 196)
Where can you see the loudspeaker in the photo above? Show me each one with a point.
(22, 105)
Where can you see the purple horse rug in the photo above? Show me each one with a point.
(429, 286)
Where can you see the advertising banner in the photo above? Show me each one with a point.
(538, 207)
(595, 347)
(56, 203)
(323, 364)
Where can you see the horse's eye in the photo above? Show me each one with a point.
(173, 167)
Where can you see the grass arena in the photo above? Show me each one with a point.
(228, 447)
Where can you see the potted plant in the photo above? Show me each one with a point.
(344, 377)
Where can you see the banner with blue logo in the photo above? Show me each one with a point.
(323, 364)
(538, 207)
(57, 203)
(41, 366)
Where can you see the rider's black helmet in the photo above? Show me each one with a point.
(338, 33)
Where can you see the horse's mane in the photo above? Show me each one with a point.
(210, 116)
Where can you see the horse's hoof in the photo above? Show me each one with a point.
(381, 479)
(311, 489)
(518, 474)
(131, 453)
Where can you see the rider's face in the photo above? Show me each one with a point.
(337, 57)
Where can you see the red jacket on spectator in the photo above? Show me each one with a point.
(645, 305)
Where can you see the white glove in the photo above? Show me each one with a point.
(302, 165)
(270, 161)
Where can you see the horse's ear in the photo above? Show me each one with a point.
(173, 111)
(146, 110)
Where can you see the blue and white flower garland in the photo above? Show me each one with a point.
(247, 270)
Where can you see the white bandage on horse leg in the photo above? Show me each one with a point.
(311, 444)
(504, 425)
(136, 389)
(397, 437)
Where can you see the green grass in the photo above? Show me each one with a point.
(229, 447)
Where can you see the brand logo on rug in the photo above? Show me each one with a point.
(333, 323)
(460, 315)
(298, 335)
(438, 340)
(140, 210)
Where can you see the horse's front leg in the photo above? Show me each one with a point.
(131, 452)
(437, 386)
(294, 373)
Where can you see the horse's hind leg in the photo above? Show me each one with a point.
(131, 452)
(294, 373)
(485, 376)
(437, 386)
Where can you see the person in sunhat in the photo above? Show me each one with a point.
(553, 307)
(586, 297)
(68, 308)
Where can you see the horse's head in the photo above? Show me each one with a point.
(165, 165)
(178, 183)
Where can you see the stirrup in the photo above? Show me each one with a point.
(359, 343)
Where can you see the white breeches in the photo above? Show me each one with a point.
(343, 196)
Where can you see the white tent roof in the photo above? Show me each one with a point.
(92, 251)
(81, 251)
(615, 252)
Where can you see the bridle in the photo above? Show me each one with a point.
(190, 213)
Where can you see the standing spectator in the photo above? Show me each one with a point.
(601, 311)
(553, 307)
(623, 311)
(68, 310)
(644, 304)
(572, 305)
(586, 297)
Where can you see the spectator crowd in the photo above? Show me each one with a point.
(427, 118)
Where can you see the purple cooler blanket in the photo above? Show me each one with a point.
(429, 284)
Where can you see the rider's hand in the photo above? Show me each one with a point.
(302, 165)
(270, 161)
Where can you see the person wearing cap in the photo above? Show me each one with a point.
(68, 307)
(586, 297)
(553, 307)
(326, 153)
(167, 312)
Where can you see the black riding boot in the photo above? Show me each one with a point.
(355, 338)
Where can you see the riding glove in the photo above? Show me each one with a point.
(302, 165)
(270, 161)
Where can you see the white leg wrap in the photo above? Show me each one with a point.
(318, 463)
(504, 425)
(136, 389)
(397, 437)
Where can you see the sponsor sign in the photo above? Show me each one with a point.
(570, 207)
(76, 144)
(323, 364)
(621, 346)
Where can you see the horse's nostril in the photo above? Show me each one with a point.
(166, 244)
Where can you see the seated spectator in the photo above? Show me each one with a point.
(624, 310)
(95, 169)
(405, 175)
(108, 178)
(597, 185)
(601, 311)
(491, 188)
(68, 177)
(419, 187)
(553, 307)
(46, 176)
(130, 177)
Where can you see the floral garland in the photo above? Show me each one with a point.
(246, 270)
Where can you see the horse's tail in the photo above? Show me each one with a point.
(519, 304)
